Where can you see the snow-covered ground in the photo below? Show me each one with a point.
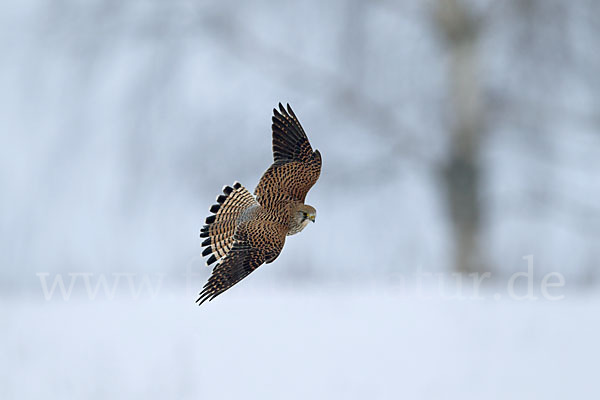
(338, 342)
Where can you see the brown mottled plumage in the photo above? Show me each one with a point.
(246, 231)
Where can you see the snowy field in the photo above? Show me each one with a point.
(302, 343)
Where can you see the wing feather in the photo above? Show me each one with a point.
(296, 167)
(256, 243)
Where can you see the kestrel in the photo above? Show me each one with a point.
(248, 230)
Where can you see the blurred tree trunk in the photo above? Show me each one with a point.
(461, 170)
(353, 48)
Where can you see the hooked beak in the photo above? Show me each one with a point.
(312, 218)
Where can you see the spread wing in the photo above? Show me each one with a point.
(256, 243)
(296, 166)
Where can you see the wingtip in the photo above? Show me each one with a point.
(282, 109)
(201, 299)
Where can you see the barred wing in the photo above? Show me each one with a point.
(256, 243)
(296, 166)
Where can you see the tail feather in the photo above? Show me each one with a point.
(220, 227)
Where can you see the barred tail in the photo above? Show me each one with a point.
(220, 227)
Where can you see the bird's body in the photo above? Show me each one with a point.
(247, 231)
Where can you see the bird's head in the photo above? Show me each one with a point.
(305, 214)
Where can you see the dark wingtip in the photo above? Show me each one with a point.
(237, 185)
(206, 242)
(202, 297)
(221, 199)
(227, 190)
(290, 111)
(215, 208)
(283, 110)
(210, 219)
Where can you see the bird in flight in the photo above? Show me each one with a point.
(245, 230)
